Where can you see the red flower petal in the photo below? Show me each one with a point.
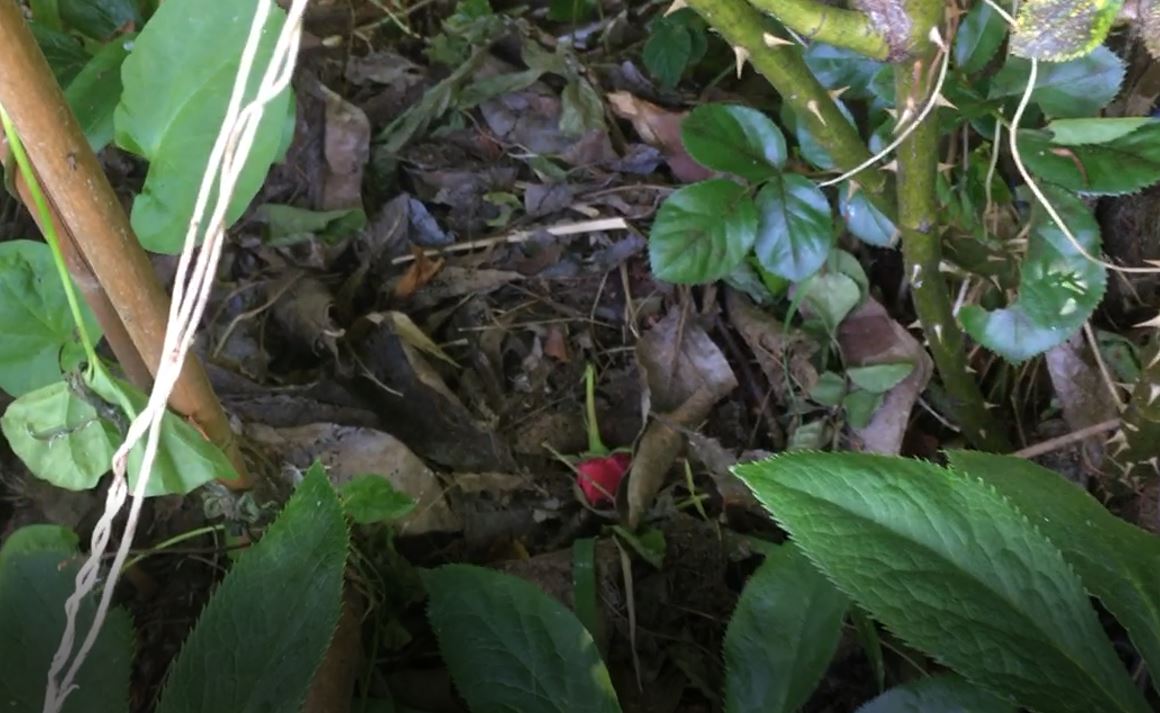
(600, 477)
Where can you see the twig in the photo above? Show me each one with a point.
(565, 229)
(1054, 444)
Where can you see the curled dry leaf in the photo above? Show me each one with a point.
(869, 336)
(347, 148)
(685, 375)
(661, 128)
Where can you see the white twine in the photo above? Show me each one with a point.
(190, 295)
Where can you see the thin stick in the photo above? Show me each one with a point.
(1054, 444)
(565, 229)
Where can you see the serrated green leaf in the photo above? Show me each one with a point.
(1058, 287)
(264, 632)
(945, 693)
(59, 435)
(838, 68)
(782, 635)
(371, 498)
(795, 229)
(34, 318)
(668, 51)
(702, 232)
(99, 19)
(94, 93)
(831, 296)
(1059, 30)
(37, 573)
(1080, 87)
(864, 220)
(177, 82)
(978, 38)
(953, 568)
(287, 224)
(1118, 562)
(185, 459)
(879, 378)
(1076, 132)
(510, 647)
(1122, 165)
(735, 139)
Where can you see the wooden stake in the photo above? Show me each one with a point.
(88, 209)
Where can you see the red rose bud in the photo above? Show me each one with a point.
(600, 477)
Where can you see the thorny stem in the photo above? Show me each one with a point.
(918, 223)
(1133, 450)
(781, 63)
(834, 25)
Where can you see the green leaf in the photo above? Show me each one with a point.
(1058, 287)
(185, 459)
(953, 568)
(879, 378)
(59, 435)
(264, 632)
(782, 635)
(668, 51)
(831, 296)
(287, 224)
(829, 390)
(34, 318)
(945, 693)
(809, 147)
(510, 647)
(46, 13)
(571, 11)
(702, 232)
(864, 220)
(978, 38)
(1122, 165)
(795, 229)
(38, 569)
(1059, 30)
(1116, 560)
(100, 19)
(1077, 88)
(94, 93)
(178, 80)
(860, 406)
(1075, 132)
(837, 67)
(66, 56)
(735, 139)
(582, 109)
(371, 498)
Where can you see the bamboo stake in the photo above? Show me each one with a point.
(89, 211)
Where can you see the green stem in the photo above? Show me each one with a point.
(1135, 449)
(918, 223)
(50, 236)
(175, 540)
(834, 25)
(596, 446)
(743, 26)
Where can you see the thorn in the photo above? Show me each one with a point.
(938, 332)
(852, 188)
(971, 369)
(1153, 393)
(1129, 426)
(1154, 322)
(893, 113)
(945, 167)
(813, 107)
(835, 93)
(772, 40)
(742, 56)
(892, 166)
(916, 324)
(988, 405)
(1155, 359)
(982, 433)
(940, 100)
(936, 38)
(677, 5)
